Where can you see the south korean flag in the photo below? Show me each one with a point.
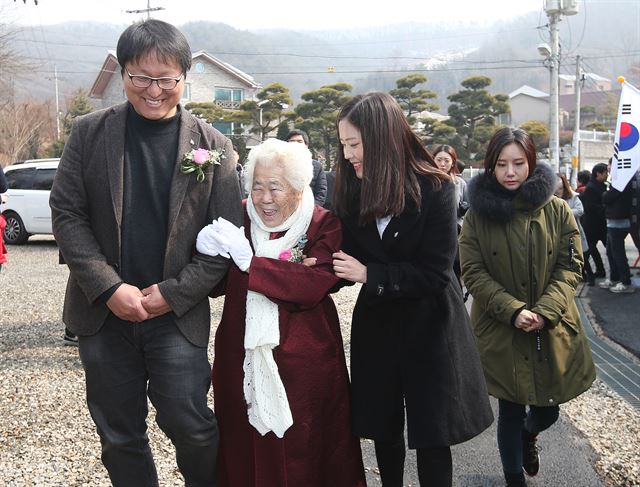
(626, 150)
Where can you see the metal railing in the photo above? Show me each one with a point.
(608, 136)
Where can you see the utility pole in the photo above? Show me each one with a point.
(555, 9)
(147, 10)
(554, 124)
(575, 150)
(55, 75)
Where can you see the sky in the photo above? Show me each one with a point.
(258, 14)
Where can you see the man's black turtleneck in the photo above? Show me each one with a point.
(149, 163)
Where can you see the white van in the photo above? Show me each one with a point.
(27, 210)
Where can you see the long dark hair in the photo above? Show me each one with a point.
(504, 137)
(393, 156)
(447, 149)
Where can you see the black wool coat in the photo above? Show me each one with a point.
(411, 339)
(593, 220)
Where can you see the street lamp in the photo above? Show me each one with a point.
(260, 104)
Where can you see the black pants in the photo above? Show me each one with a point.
(594, 253)
(434, 464)
(512, 419)
(123, 363)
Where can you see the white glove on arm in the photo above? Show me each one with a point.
(231, 239)
(206, 242)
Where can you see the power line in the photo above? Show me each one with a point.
(382, 71)
(324, 45)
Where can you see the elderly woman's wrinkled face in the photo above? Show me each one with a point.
(273, 197)
(511, 168)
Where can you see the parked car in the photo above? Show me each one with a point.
(27, 210)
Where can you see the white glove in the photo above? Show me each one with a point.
(206, 242)
(231, 239)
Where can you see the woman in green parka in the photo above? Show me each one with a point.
(521, 260)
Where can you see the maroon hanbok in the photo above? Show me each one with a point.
(319, 449)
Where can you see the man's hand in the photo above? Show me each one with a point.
(153, 301)
(349, 268)
(126, 304)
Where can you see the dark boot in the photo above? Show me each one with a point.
(515, 479)
(530, 457)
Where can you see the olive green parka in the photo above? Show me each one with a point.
(522, 250)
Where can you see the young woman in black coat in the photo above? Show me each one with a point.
(412, 348)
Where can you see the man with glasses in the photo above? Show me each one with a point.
(126, 219)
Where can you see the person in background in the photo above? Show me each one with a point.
(563, 190)
(521, 261)
(135, 184)
(412, 348)
(594, 221)
(240, 170)
(280, 381)
(583, 179)
(446, 159)
(319, 181)
(617, 210)
(331, 178)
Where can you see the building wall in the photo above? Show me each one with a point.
(114, 92)
(203, 83)
(524, 108)
(594, 151)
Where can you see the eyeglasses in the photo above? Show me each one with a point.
(140, 81)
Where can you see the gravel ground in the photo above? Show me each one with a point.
(47, 437)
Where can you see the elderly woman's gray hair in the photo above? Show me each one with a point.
(295, 159)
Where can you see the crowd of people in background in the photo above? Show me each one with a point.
(276, 236)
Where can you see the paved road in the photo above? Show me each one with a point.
(617, 316)
(566, 459)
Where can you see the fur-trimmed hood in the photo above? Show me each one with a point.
(492, 201)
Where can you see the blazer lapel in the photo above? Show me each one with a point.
(114, 153)
(189, 138)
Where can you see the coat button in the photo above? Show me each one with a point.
(380, 290)
(396, 287)
(395, 235)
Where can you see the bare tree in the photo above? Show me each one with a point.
(13, 65)
(23, 128)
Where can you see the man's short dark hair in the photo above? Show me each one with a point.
(599, 169)
(305, 136)
(584, 176)
(141, 38)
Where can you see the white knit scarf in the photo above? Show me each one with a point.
(268, 406)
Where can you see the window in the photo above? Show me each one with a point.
(186, 94)
(228, 97)
(20, 178)
(225, 127)
(43, 179)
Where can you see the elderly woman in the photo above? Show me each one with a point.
(280, 380)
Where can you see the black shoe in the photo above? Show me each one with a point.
(515, 479)
(591, 281)
(530, 457)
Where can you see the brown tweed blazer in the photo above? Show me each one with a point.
(87, 205)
